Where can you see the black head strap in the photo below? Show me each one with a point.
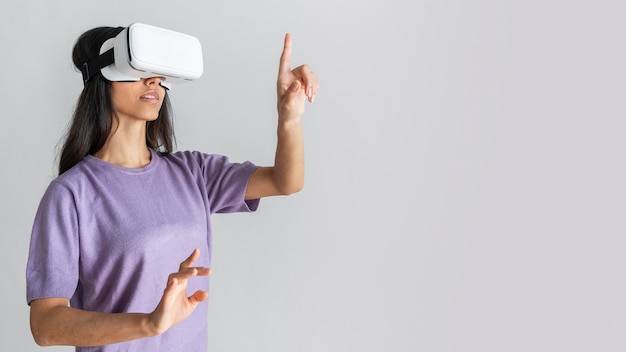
(95, 65)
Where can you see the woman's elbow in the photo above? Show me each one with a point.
(41, 322)
(291, 188)
(39, 334)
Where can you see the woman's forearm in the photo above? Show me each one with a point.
(55, 324)
(287, 174)
(289, 159)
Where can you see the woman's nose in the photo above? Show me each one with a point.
(154, 80)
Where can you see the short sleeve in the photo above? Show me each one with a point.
(226, 183)
(52, 267)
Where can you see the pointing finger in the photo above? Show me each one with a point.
(285, 57)
(190, 260)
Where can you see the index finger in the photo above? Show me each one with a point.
(285, 57)
(190, 260)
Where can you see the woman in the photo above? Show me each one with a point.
(104, 269)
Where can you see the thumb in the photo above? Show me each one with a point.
(293, 91)
(290, 101)
(291, 95)
(295, 86)
(198, 297)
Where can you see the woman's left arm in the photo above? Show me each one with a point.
(293, 88)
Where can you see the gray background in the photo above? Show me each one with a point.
(464, 168)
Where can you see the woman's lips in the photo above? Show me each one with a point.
(150, 96)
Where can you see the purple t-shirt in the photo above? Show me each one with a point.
(107, 237)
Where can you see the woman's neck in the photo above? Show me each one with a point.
(126, 147)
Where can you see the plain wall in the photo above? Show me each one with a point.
(465, 176)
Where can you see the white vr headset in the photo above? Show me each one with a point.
(143, 51)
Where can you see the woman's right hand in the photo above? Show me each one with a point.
(175, 306)
(54, 322)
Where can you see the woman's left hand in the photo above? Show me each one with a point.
(293, 88)
(292, 85)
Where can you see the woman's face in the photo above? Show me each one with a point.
(139, 100)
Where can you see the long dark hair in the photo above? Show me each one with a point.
(93, 117)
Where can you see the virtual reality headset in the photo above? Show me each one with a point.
(143, 51)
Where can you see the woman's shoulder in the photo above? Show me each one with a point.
(194, 158)
(74, 174)
(68, 184)
(207, 166)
